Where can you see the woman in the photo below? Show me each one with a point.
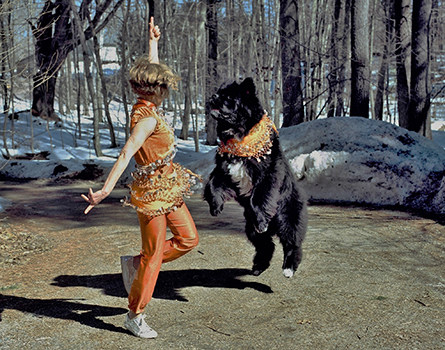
(158, 187)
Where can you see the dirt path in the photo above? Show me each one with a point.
(370, 279)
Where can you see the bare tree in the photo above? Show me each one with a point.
(5, 73)
(344, 52)
(188, 95)
(122, 53)
(388, 7)
(402, 36)
(89, 78)
(55, 38)
(420, 86)
(334, 61)
(360, 58)
(212, 80)
(293, 112)
(104, 91)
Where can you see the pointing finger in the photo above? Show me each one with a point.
(87, 210)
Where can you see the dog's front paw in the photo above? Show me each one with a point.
(215, 210)
(262, 228)
(262, 225)
(260, 222)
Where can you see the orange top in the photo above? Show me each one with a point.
(161, 142)
(159, 184)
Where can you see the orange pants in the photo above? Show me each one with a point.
(157, 250)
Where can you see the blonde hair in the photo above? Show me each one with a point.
(148, 78)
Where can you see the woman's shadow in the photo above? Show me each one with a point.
(169, 283)
(67, 309)
(168, 287)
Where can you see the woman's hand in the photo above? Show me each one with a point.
(94, 198)
(143, 129)
(155, 33)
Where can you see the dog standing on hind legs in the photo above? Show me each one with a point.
(252, 169)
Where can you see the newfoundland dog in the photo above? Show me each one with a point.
(252, 169)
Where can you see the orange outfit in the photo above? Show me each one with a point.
(157, 194)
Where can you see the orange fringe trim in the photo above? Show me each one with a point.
(255, 145)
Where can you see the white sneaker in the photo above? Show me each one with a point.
(128, 271)
(139, 328)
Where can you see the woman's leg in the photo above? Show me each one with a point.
(185, 235)
(153, 240)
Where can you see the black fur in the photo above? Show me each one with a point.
(274, 204)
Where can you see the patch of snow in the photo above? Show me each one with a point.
(338, 160)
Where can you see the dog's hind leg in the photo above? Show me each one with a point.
(264, 248)
(292, 258)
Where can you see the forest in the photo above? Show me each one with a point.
(310, 59)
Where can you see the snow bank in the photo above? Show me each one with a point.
(338, 160)
(357, 160)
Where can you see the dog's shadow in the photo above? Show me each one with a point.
(169, 283)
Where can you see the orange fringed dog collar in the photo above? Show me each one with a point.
(256, 144)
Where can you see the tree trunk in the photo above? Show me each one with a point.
(381, 76)
(360, 59)
(4, 47)
(293, 111)
(43, 96)
(78, 97)
(187, 101)
(200, 19)
(230, 48)
(89, 78)
(420, 87)
(212, 80)
(123, 73)
(341, 93)
(51, 51)
(333, 68)
(402, 33)
(104, 91)
(69, 84)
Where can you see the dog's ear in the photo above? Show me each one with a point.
(248, 86)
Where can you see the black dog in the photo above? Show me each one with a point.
(251, 168)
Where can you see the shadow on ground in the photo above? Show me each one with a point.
(66, 309)
(169, 283)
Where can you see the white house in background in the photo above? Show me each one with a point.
(110, 62)
(108, 54)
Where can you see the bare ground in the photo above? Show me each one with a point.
(370, 279)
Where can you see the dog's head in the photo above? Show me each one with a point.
(236, 108)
